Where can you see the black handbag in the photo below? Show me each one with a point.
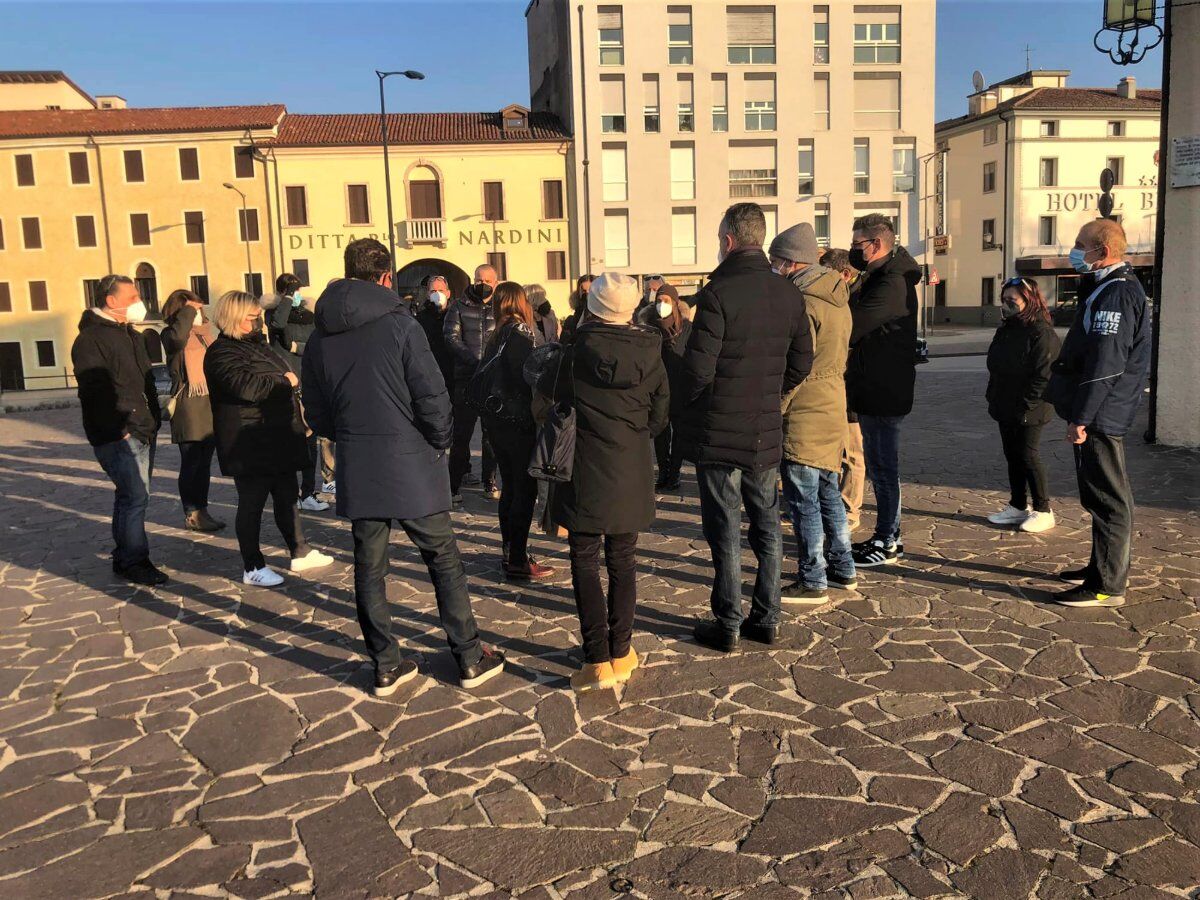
(490, 391)
(553, 457)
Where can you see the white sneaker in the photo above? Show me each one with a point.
(264, 577)
(314, 504)
(1038, 522)
(329, 487)
(1010, 515)
(314, 559)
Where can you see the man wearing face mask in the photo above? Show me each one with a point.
(121, 416)
(431, 314)
(1096, 385)
(467, 327)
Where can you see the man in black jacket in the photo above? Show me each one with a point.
(121, 416)
(468, 325)
(881, 372)
(430, 307)
(372, 385)
(750, 345)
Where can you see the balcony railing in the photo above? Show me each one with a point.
(425, 231)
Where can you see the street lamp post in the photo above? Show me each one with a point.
(245, 229)
(412, 75)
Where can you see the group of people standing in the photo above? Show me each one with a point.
(764, 383)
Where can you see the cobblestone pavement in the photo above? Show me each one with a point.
(942, 732)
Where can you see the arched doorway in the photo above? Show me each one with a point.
(147, 285)
(408, 279)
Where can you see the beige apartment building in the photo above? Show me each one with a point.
(819, 112)
(1020, 175)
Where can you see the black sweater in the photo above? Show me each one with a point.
(1018, 362)
(116, 389)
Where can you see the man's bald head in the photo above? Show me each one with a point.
(486, 274)
(1107, 235)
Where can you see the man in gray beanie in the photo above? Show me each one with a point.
(814, 417)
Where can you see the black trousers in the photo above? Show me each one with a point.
(253, 491)
(606, 623)
(434, 538)
(308, 475)
(1026, 474)
(668, 451)
(195, 473)
(460, 451)
(1104, 492)
(513, 447)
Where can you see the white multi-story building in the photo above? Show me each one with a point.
(818, 112)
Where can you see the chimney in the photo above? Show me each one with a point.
(982, 103)
(1127, 88)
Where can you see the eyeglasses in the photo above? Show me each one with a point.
(863, 243)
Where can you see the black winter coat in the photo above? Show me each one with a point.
(619, 384)
(372, 384)
(116, 390)
(192, 419)
(881, 370)
(256, 413)
(673, 350)
(751, 344)
(433, 321)
(1018, 362)
(516, 341)
(467, 327)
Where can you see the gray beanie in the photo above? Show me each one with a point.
(798, 244)
(614, 298)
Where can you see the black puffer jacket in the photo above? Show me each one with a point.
(468, 324)
(256, 413)
(881, 370)
(673, 349)
(1018, 362)
(621, 404)
(515, 341)
(750, 345)
(433, 322)
(116, 390)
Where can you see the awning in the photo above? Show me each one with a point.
(1061, 265)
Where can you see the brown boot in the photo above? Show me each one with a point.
(200, 520)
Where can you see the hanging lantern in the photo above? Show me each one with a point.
(1130, 29)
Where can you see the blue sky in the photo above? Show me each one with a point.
(319, 57)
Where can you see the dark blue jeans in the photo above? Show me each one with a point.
(819, 518)
(434, 538)
(129, 463)
(723, 492)
(881, 447)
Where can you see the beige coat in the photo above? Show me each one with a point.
(814, 414)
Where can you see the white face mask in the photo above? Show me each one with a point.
(664, 309)
(437, 298)
(135, 312)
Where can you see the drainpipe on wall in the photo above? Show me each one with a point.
(103, 202)
(587, 194)
(261, 157)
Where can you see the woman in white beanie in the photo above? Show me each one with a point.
(614, 375)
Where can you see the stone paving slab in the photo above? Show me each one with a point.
(942, 732)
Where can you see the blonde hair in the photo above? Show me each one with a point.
(1110, 234)
(231, 309)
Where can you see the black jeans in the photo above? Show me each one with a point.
(434, 538)
(1025, 470)
(195, 473)
(253, 491)
(460, 451)
(1104, 492)
(308, 475)
(606, 623)
(668, 451)
(513, 447)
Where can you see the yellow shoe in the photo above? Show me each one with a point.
(593, 676)
(623, 667)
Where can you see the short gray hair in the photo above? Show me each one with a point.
(746, 223)
(877, 227)
(108, 287)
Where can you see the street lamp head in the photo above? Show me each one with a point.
(413, 74)
(228, 185)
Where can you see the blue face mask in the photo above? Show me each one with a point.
(1078, 263)
(296, 300)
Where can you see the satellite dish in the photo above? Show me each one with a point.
(977, 81)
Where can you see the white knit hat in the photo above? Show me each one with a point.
(613, 298)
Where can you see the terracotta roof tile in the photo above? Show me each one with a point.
(1068, 100)
(80, 122)
(355, 129)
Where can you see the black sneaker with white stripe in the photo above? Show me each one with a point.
(876, 553)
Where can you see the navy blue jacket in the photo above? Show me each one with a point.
(372, 384)
(1101, 373)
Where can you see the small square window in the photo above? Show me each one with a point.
(989, 234)
(200, 286)
(253, 283)
(45, 354)
(556, 265)
(1116, 129)
(1049, 128)
(300, 270)
(990, 134)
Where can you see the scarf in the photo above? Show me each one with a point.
(201, 335)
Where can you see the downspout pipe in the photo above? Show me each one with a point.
(103, 202)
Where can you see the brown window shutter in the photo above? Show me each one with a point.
(243, 162)
(5, 297)
(38, 301)
(360, 210)
(193, 227)
(85, 231)
(493, 201)
(139, 228)
(248, 224)
(133, 166)
(189, 164)
(25, 170)
(80, 173)
(426, 199)
(31, 231)
(297, 205)
(552, 200)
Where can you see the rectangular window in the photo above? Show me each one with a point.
(425, 199)
(989, 177)
(297, 205)
(760, 102)
(612, 105)
(750, 35)
(91, 292)
(1116, 129)
(821, 225)
(753, 169)
(248, 225)
(499, 262)
(877, 102)
(200, 286)
(862, 166)
(552, 199)
(1, 234)
(771, 217)
(134, 170)
(878, 43)
(38, 299)
(556, 265)
(990, 134)
(1117, 165)
(193, 227)
(720, 103)
(683, 171)
(651, 121)
(358, 205)
(1047, 231)
(989, 234)
(31, 233)
(904, 169)
(300, 270)
(139, 229)
(616, 238)
(683, 237)
(5, 297)
(612, 51)
(24, 164)
(987, 292)
(1049, 128)
(243, 162)
(1048, 172)
(806, 157)
(45, 354)
(687, 103)
(821, 102)
(679, 35)
(80, 170)
(253, 283)
(85, 231)
(613, 172)
(189, 164)
(493, 201)
(821, 35)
